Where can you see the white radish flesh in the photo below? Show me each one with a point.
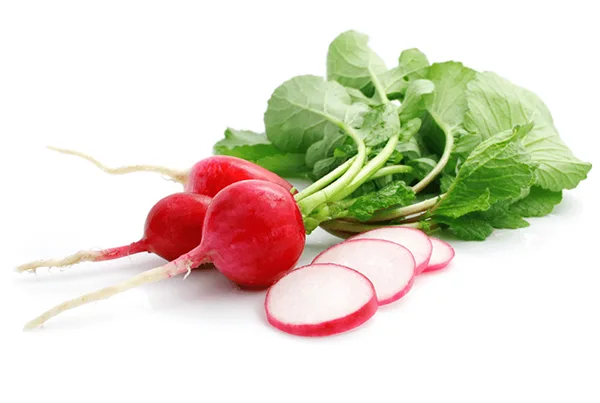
(441, 255)
(320, 300)
(389, 266)
(412, 239)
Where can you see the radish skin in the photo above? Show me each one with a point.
(206, 177)
(320, 300)
(416, 241)
(173, 227)
(441, 255)
(252, 246)
(388, 265)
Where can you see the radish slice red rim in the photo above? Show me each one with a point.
(416, 241)
(320, 300)
(389, 266)
(441, 255)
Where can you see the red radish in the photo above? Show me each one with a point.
(389, 266)
(441, 255)
(320, 300)
(173, 227)
(253, 233)
(206, 177)
(413, 239)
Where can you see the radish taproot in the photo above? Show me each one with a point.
(173, 227)
(441, 255)
(253, 234)
(320, 300)
(207, 177)
(389, 266)
(416, 241)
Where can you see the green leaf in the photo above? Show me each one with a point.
(467, 228)
(325, 147)
(412, 65)
(379, 124)
(255, 147)
(496, 105)
(501, 217)
(446, 181)
(351, 62)
(304, 109)
(538, 203)
(287, 165)
(393, 194)
(447, 104)
(326, 165)
(413, 104)
(245, 144)
(422, 166)
(498, 169)
(357, 96)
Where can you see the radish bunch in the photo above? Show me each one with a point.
(344, 285)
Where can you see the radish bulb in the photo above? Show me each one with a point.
(206, 177)
(173, 227)
(253, 234)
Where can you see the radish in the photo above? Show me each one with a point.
(413, 239)
(389, 266)
(207, 177)
(441, 255)
(320, 300)
(253, 233)
(173, 227)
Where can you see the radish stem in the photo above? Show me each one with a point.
(372, 166)
(324, 181)
(339, 225)
(439, 166)
(313, 201)
(175, 175)
(390, 170)
(399, 212)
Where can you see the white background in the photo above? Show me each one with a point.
(514, 319)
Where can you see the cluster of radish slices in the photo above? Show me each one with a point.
(344, 285)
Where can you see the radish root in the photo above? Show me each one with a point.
(81, 256)
(85, 256)
(168, 270)
(173, 174)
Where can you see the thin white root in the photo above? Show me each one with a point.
(81, 256)
(189, 271)
(168, 270)
(173, 174)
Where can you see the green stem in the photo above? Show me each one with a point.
(345, 226)
(400, 212)
(311, 202)
(439, 166)
(324, 181)
(372, 166)
(392, 169)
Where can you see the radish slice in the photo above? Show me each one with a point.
(320, 300)
(441, 255)
(413, 239)
(389, 266)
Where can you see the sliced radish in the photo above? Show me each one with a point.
(413, 239)
(320, 300)
(441, 255)
(389, 266)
